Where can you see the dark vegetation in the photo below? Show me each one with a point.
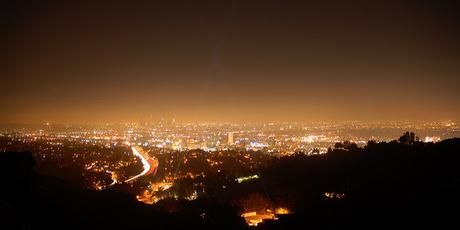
(397, 184)
(404, 183)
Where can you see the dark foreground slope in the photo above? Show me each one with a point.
(383, 185)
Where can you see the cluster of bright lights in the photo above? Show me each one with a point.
(255, 218)
(334, 195)
(432, 139)
(243, 179)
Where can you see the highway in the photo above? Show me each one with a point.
(150, 164)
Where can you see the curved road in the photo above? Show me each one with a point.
(150, 164)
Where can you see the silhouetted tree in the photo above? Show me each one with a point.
(407, 138)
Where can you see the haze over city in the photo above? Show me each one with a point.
(97, 62)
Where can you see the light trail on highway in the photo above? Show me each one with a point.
(146, 163)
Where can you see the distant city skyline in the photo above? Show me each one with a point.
(273, 138)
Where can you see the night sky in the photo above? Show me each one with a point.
(270, 60)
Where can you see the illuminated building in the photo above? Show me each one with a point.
(230, 138)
